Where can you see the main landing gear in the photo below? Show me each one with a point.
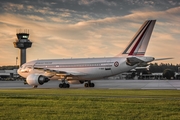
(64, 84)
(89, 84)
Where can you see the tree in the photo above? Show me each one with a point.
(168, 73)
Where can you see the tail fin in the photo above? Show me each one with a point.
(139, 42)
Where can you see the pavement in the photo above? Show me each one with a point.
(102, 84)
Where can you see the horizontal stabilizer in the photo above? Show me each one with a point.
(138, 60)
(158, 59)
(132, 61)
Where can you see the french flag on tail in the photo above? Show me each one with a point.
(138, 44)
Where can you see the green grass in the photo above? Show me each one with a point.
(89, 104)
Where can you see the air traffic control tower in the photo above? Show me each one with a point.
(22, 43)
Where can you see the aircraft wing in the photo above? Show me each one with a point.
(52, 72)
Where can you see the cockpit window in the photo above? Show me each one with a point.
(27, 67)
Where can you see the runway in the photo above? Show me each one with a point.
(101, 84)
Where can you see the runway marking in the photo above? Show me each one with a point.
(158, 88)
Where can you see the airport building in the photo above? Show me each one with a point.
(9, 74)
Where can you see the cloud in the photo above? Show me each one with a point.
(163, 37)
(89, 2)
(173, 10)
(36, 18)
(172, 2)
(61, 51)
(85, 35)
(56, 19)
(13, 7)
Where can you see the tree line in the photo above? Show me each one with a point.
(159, 68)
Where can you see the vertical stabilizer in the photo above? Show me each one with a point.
(138, 44)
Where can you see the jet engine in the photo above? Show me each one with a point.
(75, 81)
(34, 79)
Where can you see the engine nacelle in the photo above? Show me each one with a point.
(75, 81)
(34, 79)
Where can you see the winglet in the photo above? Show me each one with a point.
(138, 44)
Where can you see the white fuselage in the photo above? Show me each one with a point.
(82, 68)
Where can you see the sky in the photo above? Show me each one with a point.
(87, 28)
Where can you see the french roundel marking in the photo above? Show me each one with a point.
(116, 64)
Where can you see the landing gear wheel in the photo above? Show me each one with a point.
(86, 85)
(60, 85)
(92, 85)
(64, 85)
(67, 85)
(35, 86)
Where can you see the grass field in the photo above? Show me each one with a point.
(89, 104)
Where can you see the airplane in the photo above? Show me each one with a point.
(84, 70)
